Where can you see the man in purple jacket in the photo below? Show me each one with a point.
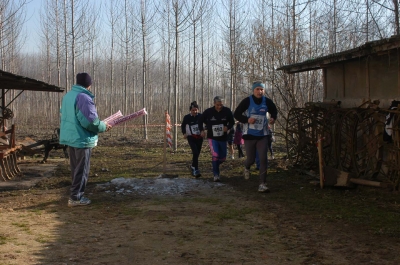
(79, 127)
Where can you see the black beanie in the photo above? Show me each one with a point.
(83, 79)
(193, 105)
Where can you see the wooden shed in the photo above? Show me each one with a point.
(368, 72)
(361, 130)
(8, 147)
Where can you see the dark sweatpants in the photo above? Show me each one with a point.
(80, 165)
(195, 144)
(261, 146)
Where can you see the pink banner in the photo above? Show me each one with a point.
(128, 117)
(113, 117)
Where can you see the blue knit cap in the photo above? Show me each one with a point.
(258, 84)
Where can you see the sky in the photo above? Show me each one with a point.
(32, 26)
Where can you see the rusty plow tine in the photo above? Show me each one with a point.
(3, 163)
(14, 163)
(1, 173)
(13, 169)
(9, 167)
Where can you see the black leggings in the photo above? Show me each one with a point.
(195, 144)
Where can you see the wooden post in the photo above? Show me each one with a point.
(165, 144)
(321, 163)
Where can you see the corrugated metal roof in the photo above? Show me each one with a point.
(364, 50)
(13, 81)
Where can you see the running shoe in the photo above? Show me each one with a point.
(82, 202)
(196, 173)
(216, 178)
(263, 188)
(246, 173)
(192, 170)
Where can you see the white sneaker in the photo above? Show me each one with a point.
(82, 202)
(196, 173)
(246, 173)
(192, 170)
(263, 188)
(216, 178)
(232, 157)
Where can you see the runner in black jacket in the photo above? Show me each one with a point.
(218, 120)
(190, 131)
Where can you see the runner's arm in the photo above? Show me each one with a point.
(240, 109)
(272, 109)
(201, 121)
(183, 125)
(231, 121)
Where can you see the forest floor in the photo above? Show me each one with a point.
(140, 216)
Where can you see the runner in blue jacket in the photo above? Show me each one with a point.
(252, 112)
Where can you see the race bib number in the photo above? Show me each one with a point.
(218, 130)
(259, 123)
(195, 129)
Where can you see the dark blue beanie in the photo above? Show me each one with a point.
(83, 79)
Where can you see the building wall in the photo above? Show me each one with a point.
(334, 82)
(384, 71)
(356, 81)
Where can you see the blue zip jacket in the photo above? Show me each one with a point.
(80, 123)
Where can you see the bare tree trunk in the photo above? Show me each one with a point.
(73, 39)
(2, 46)
(180, 19)
(112, 20)
(367, 22)
(176, 70)
(233, 27)
(66, 73)
(144, 63)
(232, 50)
(126, 41)
(273, 52)
(58, 46)
(169, 59)
(396, 16)
(202, 65)
(334, 25)
(194, 61)
(58, 53)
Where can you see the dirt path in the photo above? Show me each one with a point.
(197, 222)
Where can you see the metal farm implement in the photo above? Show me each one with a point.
(44, 146)
(8, 155)
(11, 87)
